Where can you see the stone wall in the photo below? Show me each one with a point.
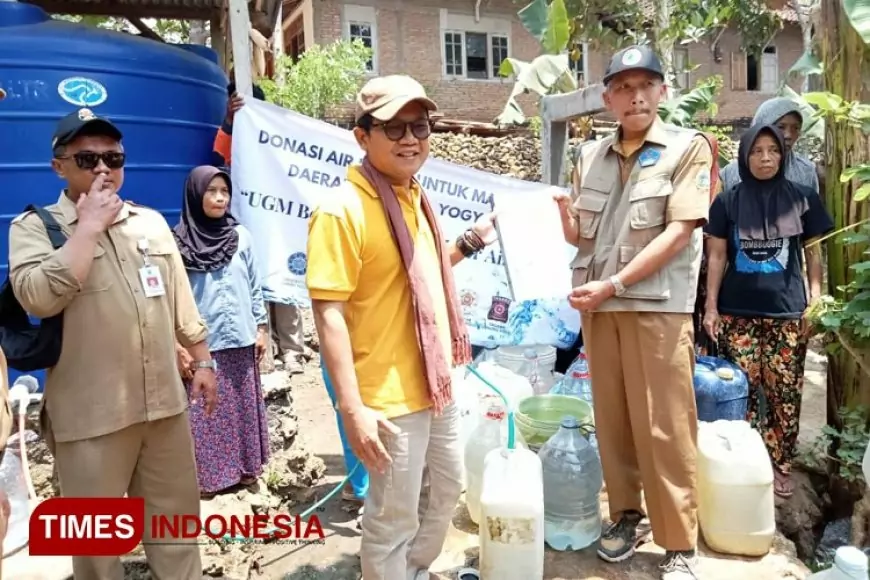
(513, 156)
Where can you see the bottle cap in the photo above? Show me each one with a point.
(725, 373)
(494, 411)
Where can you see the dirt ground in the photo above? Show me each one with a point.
(337, 559)
(310, 433)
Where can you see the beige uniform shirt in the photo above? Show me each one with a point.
(118, 364)
(622, 202)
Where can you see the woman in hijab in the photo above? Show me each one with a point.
(232, 444)
(761, 233)
(786, 115)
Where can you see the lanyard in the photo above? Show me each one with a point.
(143, 246)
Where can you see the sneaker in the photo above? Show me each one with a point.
(619, 541)
(680, 566)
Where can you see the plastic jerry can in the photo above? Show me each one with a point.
(512, 516)
(735, 489)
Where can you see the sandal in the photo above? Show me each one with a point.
(783, 486)
(246, 481)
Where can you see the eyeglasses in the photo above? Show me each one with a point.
(396, 130)
(89, 160)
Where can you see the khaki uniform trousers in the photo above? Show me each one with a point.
(153, 460)
(642, 366)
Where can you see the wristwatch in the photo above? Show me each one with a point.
(205, 364)
(618, 286)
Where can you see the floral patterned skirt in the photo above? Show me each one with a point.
(234, 441)
(772, 353)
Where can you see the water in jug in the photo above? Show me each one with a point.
(735, 489)
(721, 390)
(572, 488)
(850, 563)
(13, 484)
(490, 434)
(512, 516)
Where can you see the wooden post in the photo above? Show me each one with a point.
(240, 29)
(556, 112)
(218, 40)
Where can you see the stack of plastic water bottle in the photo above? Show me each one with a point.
(576, 382)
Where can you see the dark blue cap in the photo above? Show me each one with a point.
(638, 57)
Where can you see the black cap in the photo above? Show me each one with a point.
(73, 124)
(634, 58)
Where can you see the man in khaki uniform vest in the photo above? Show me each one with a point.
(115, 410)
(638, 202)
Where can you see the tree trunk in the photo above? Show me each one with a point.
(846, 63)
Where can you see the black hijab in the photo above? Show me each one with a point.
(767, 209)
(205, 243)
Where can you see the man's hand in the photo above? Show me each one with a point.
(98, 208)
(712, 323)
(563, 200)
(590, 296)
(204, 385)
(184, 362)
(485, 228)
(261, 344)
(235, 103)
(361, 425)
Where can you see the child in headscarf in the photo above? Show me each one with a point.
(232, 445)
(784, 114)
(760, 234)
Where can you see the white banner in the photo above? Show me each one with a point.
(283, 162)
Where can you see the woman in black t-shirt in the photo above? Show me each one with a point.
(761, 232)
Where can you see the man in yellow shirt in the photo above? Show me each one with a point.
(390, 325)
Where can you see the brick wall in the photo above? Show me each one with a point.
(409, 41)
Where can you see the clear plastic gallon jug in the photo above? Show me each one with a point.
(514, 387)
(512, 516)
(490, 434)
(572, 488)
(850, 563)
(513, 357)
(735, 489)
(12, 482)
(468, 401)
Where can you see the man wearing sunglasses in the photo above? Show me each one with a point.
(115, 414)
(390, 326)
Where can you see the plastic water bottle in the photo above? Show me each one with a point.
(530, 369)
(13, 484)
(572, 486)
(577, 382)
(850, 563)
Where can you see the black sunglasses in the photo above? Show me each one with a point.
(396, 130)
(89, 160)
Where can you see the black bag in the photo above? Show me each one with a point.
(27, 347)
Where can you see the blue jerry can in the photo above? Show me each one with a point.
(721, 390)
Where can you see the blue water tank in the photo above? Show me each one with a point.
(167, 100)
(721, 390)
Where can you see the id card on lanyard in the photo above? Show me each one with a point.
(149, 274)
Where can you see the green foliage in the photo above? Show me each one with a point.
(323, 77)
(682, 109)
(858, 13)
(171, 31)
(850, 443)
(723, 138)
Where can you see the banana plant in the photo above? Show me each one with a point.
(550, 73)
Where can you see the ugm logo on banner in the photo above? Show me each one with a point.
(284, 162)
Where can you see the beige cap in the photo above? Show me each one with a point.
(384, 97)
